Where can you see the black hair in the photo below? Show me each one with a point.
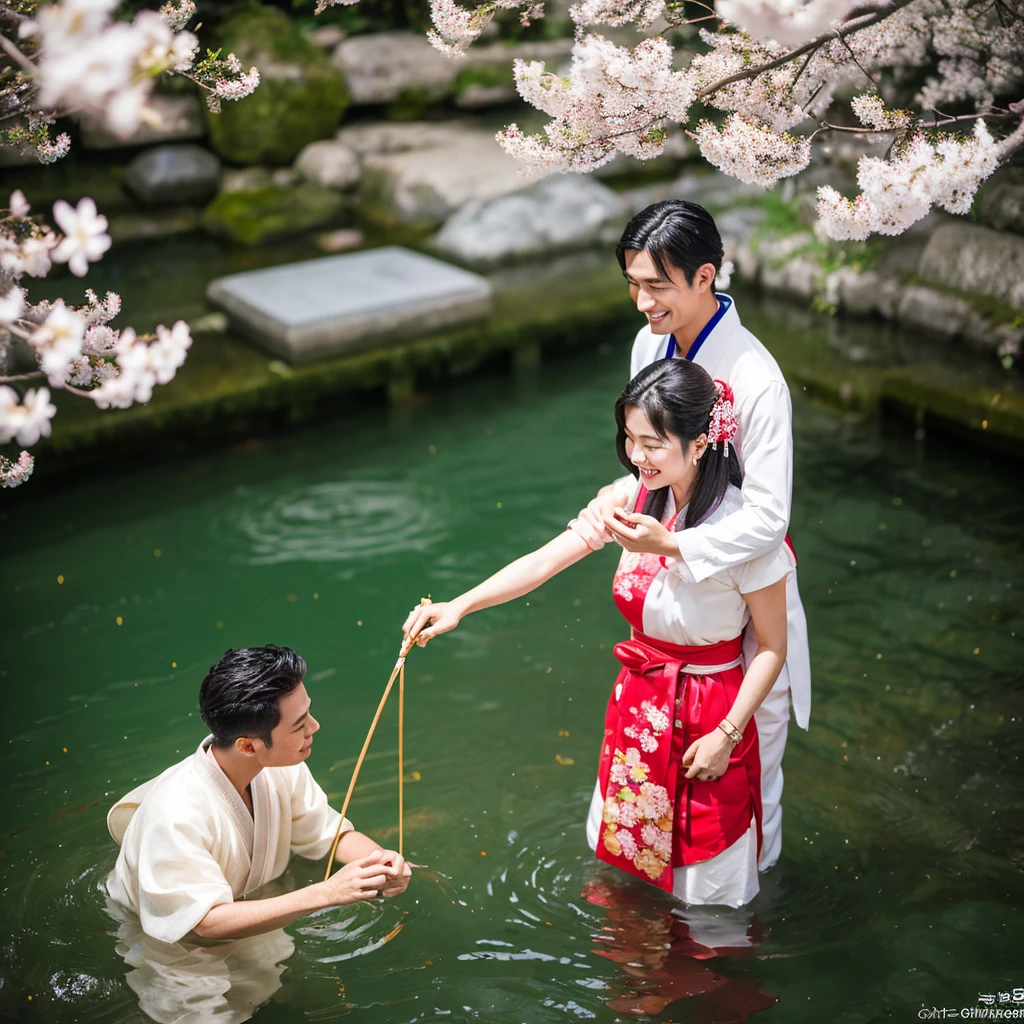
(239, 695)
(677, 396)
(674, 232)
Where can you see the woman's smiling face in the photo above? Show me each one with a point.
(669, 303)
(663, 461)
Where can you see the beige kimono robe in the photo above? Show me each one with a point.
(188, 842)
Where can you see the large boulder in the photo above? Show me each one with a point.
(379, 137)
(330, 164)
(256, 216)
(380, 68)
(402, 70)
(300, 97)
(565, 212)
(179, 118)
(173, 175)
(977, 261)
(1001, 201)
(424, 187)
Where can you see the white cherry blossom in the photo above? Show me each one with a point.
(18, 205)
(85, 238)
(28, 420)
(58, 341)
(12, 305)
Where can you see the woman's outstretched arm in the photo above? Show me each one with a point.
(517, 578)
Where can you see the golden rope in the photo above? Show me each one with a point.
(397, 672)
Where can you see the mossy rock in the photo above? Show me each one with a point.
(487, 75)
(300, 98)
(255, 216)
(411, 104)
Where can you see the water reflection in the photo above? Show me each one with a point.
(189, 983)
(664, 955)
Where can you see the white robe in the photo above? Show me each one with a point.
(188, 842)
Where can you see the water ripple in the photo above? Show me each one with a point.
(332, 522)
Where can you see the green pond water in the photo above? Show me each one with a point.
(899, 886)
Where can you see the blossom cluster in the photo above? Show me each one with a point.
(773, 67)
(896, 193)
(74, 348)
(751, 151)
(80, 60)
(456, 28)
(103, 69)
(613, 100)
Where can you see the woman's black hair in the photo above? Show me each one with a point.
(239, 695)
(677, 397)
(676, 233)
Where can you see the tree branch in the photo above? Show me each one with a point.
(827, 127)
(16, 55)
(1015, 140)
(22, 376)
(6, 14)
(856, 25)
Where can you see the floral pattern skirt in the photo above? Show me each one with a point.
(654, 818)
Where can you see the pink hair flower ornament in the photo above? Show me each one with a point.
(723, 418)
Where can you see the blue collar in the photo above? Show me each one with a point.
(724, 302)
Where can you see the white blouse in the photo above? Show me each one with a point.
(691, 614)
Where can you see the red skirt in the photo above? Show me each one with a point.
(655, 819)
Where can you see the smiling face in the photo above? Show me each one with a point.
(291, 740)
(670, 304)
(663, 461)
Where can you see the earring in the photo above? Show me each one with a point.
(695, 460)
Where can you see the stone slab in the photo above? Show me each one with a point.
(325, 307)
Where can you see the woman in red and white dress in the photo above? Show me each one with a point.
(677, 800)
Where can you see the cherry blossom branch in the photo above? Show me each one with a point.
(15, 17)
(1015, 140)
(16, 55)
(32, 375)
(945, 122)
(848, 29)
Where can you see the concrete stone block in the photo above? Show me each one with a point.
(325, 307)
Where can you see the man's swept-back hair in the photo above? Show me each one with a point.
(676, 233)
(239, 695)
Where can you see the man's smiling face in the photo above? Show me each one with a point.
(292, 738)
(669, 303)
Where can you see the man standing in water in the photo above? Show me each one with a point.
(225, 821)
(670, 254)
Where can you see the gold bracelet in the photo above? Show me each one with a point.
(731, 731)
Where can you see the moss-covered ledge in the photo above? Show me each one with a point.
(228, 387)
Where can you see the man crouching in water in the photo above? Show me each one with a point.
(223, 822)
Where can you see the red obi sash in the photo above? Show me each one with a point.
(655, 819)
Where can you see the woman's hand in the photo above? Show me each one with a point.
(358, 880)
(707, 758)
(641, 533)
(427, 620)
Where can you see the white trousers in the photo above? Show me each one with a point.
(772, 718)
